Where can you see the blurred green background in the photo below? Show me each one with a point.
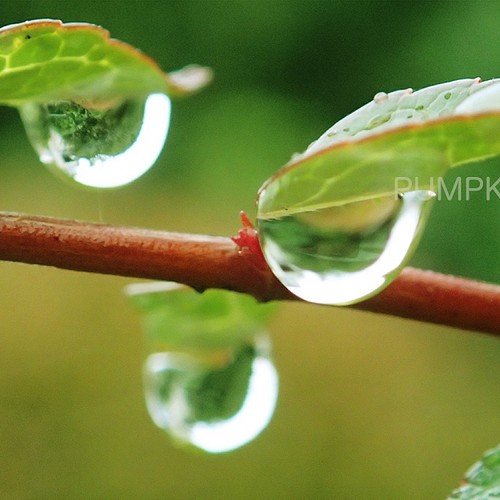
(371, 407)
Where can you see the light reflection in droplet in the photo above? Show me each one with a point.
(101, 148)
(177, 401)
(128, 166)
(339, 265)
(254, 415)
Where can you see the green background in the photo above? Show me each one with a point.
(371, 407)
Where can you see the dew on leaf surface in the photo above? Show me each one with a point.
(99, 146)
(343, 254)
(216, 404)
(330, 225)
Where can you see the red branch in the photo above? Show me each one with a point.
(217, 262)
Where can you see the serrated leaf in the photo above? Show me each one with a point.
(179, 316)
(401, 135)
(47, 60)
(482, 481)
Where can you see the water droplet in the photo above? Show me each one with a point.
(214, 401)
(380, 97)
(378, 120)
(100, 146)
(344, 254)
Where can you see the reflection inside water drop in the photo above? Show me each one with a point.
(100, 147)
(216, 404)
(344, 254)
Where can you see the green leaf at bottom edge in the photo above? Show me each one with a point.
(482, 480)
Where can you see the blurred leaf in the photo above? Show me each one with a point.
(210, 364)
(412, 136)
(46, 60)
(482, 480)
(179, 316)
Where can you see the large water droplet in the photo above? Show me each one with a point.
(344, 254)
(99, 146)
(216, 402)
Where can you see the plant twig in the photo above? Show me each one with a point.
(217, 262)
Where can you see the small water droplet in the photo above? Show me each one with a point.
(380, 97)
(100, 146)
(378, 120)
(215, 402)
(344, 254)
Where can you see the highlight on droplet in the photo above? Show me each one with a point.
(343, 254)
(209, 379)
(213, 409)
(103, 146)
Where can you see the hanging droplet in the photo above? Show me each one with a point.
(216, 402)
(344, 254)
(209, 380)
(99, 146)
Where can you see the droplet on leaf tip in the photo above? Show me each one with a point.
(101, 147)
(344, 254)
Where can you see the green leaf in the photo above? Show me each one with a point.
(482, 481)
(46, 60)
(178, 316)
(389, 145)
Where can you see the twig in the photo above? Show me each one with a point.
(217, 262)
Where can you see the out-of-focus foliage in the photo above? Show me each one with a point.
(371, 407)
(482, 480)
(217, 318)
